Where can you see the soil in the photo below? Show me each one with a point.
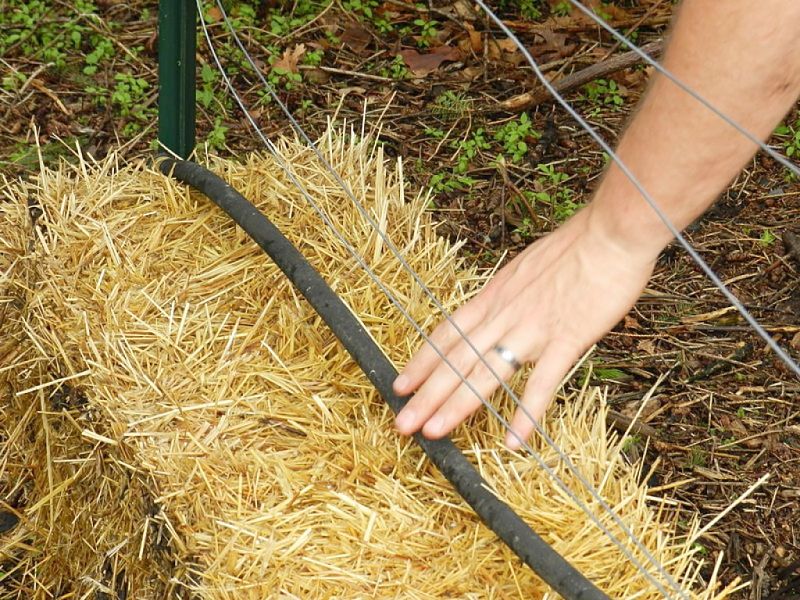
(723, 410)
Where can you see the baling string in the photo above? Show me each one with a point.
(276, 153)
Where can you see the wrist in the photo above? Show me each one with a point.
(629, 225)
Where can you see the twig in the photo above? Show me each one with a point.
(354, 74)
(590, 73)
(733, 505)
(623, 423)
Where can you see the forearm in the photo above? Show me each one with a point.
(741, 56)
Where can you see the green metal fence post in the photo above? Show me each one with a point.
(177, 41)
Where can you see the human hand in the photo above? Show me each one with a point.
(547, 306)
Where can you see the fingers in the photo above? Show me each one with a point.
(445, 379)
(482, 381)
(552, 366)
(444, 337)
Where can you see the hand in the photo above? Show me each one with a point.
(547, 306)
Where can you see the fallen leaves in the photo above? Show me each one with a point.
(356, 38)
(291, 57)
(422, 65)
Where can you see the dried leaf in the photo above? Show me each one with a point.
(214, 14)
(630, 322)
(475, 39)
(795, 343)
(551, 45)
(647, 346)
(356, 38)
(423, 64)
(288, 62)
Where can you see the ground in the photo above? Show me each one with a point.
(503, 173)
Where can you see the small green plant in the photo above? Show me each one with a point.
(364, 7)
(216, 138)
(530, 9)
(515, 135)
(468, 149)
(129, 92)
(398, 68)
(741, 412)
(697, 458)
(450, 182)
(103, 50)
(610, 374)
(562, 9)
(428, 32)
(209, 78)
(549, 171)
(129, 100)
(604, 91)
(279, 77)
(435, 133)
(559, 197)
(526, 229)
(450, 105)
(791, 133)
(14, 81)
(313, 57)
(767, 238)
(631, 442)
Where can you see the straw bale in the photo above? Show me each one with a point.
(193, 428)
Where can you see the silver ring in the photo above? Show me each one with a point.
(508, 356)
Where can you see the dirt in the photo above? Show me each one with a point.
(722, 412)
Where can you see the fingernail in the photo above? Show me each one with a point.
(512, 443)
(435, 425)
(405, 420)
(401, 383)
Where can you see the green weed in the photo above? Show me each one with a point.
(279, 77)
(313, 57)
(450, 105)
(469, 149)
(428, 32)
(631, 442)
(562, 9)
(216, 138)
(767, 238)
(697, 457)
(610, 374)
(450, 182)
(559, 197)
(435, 133)
(514, 136)
(791, 137)
(102, 51)
(530, 9)
(398, 69)
(205, 93)
(605, 92)
(362, 7)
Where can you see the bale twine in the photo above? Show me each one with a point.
(188, 427)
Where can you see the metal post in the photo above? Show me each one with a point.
(177, 41)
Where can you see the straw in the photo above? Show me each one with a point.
(182, 422)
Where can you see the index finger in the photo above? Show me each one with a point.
(443, 338)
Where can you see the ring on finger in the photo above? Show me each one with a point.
(508, 356)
